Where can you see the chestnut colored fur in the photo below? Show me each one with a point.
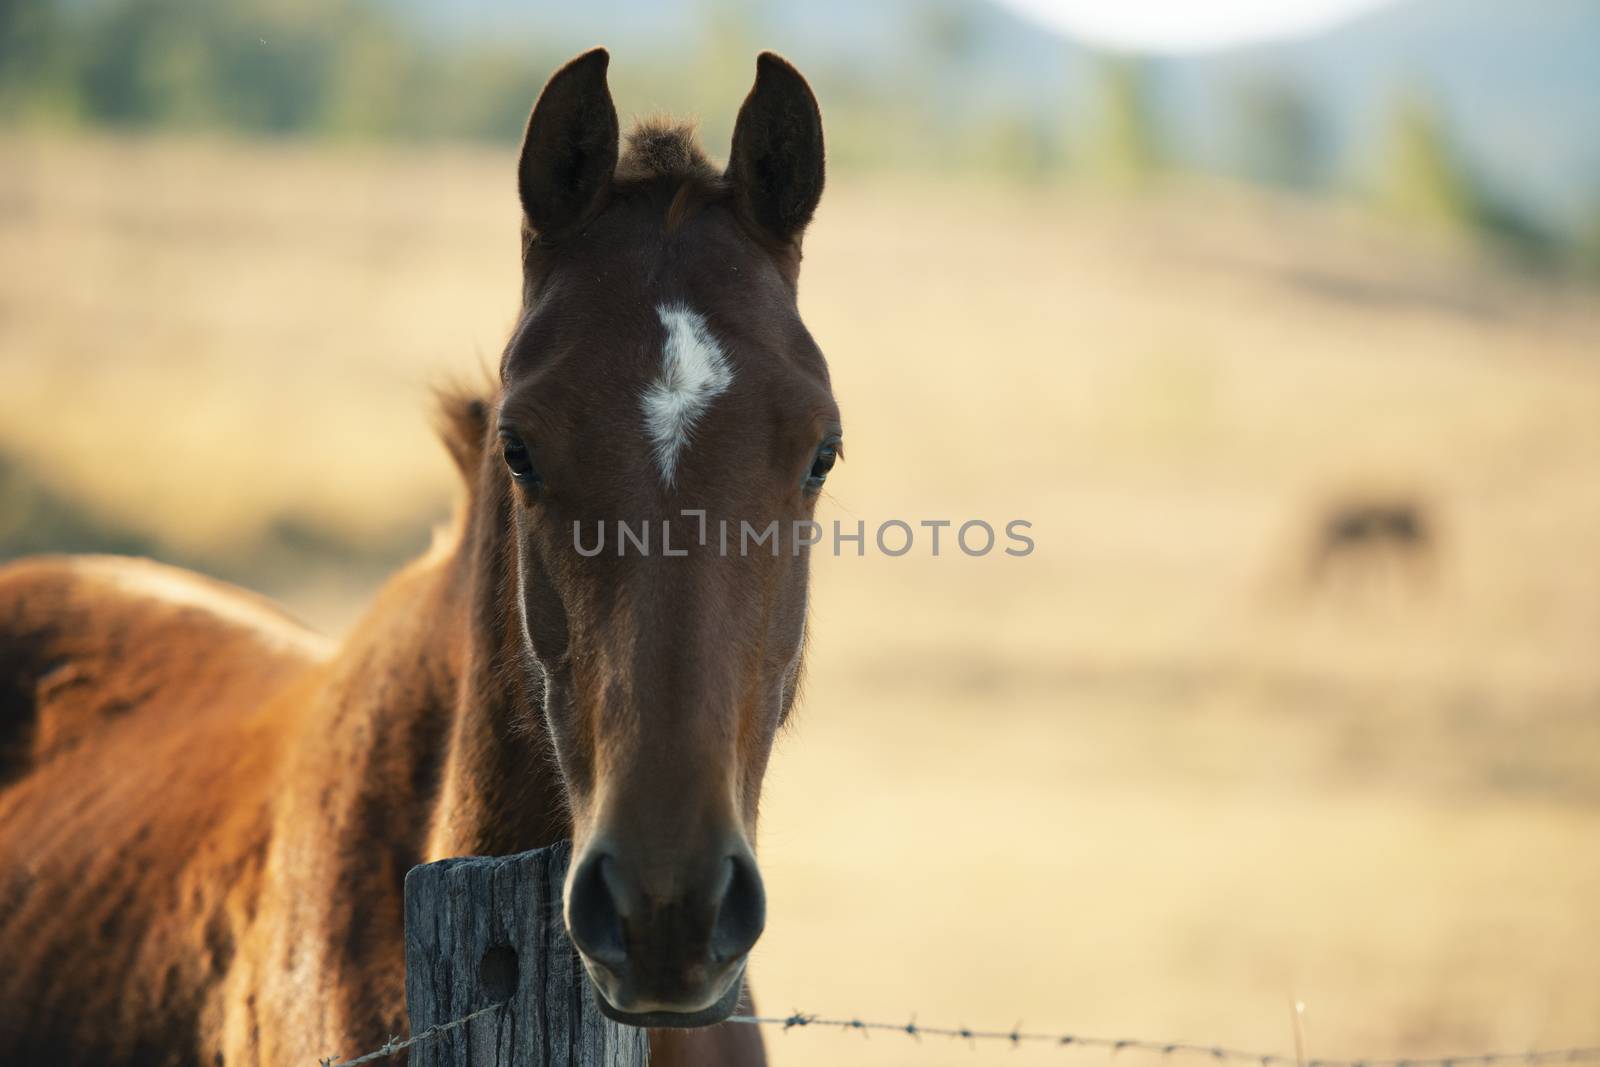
(207, 811)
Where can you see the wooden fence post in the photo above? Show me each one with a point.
(484, 929)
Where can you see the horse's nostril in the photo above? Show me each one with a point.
(742, 911)
(593, 917)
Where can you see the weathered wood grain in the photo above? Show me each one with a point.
(484, 929)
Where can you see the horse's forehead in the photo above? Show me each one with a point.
(636, 390)
(656, 354)
(694, 370)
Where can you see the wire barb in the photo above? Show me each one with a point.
(395, 1044)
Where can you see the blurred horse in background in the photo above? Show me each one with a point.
(1363, 541)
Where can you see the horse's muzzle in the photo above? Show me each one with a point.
(666, 948)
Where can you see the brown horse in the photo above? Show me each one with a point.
(207, 811)
(1364, 539)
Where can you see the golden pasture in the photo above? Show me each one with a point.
(1144, 782)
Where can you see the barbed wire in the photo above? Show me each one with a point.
(1017, 1036)
(396, 1044)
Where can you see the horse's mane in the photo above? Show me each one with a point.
(663, 157)
(462, 420)
(661, 148)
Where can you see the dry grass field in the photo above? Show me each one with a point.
(1147, 781)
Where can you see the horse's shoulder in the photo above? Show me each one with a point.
(86, 640)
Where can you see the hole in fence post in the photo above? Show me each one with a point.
(497, 973)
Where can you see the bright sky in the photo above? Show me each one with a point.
(1188, 25)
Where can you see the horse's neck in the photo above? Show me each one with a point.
(405, 753)
(429, 739)
(499, 790)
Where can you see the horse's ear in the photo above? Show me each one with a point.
(570, 150)
(775, 168)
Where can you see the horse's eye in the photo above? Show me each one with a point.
(518, 461)
(827, 455)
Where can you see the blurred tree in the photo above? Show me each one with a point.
(124, 68)
(1587, 251)
(1277, 136)
(377, 85)
(255, 66)
(1421, 177)
(958, 122)
(1125, 141)
(33, 74)
(1424, 180)
(275, 64)
(945, 34)
(1019, 146)
(729, 36)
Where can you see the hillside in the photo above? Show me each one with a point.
(1518, 85)
(925, 84)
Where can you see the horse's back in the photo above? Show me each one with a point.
(87, 641)
(138, 754)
